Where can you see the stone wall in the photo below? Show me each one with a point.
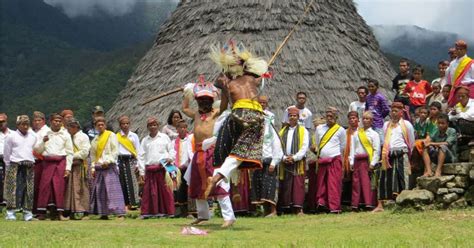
(455, 189)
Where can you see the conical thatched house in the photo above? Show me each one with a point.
(328, 57)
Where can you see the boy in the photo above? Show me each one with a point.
(440, 147)
(417, 89)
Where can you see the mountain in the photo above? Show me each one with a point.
(50, 62)
(425, 46)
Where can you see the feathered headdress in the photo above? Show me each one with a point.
(234, 59)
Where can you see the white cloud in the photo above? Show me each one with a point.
(74, 8)
(455, 16)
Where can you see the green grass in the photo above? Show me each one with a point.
(388, 229)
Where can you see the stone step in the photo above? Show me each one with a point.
(458, 168)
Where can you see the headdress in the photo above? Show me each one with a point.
(203, 88)
(235, 60)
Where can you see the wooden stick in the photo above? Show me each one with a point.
(277, 52)
(167, 93)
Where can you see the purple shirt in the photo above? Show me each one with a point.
(378, 105)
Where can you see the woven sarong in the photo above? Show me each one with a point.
(52, 184)
(106, 196)
(128, 179)
(157, 197)
(77, 191)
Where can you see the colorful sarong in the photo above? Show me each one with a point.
(128, 179)
(52, 185)
(329, 183)
(240, 196)
(241, 137)
(106, 196)
(2, 179)
(394, 180)
(292, 189)
(38, 170)
(361, 188)
(77, 191)
(157, 197)
(201, 169)
(19, 182)
(264, 185)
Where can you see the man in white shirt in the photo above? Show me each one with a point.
(295, 141)
(41, 129)
(331, 140)
(359, 105)
(76, 200)
(462, 116)
(57, 151)
(460, 72)
(305, 116)
(4, 131)
(129, 146)
(398, 144)
(19, 160)
(363, 156)
(264, 181)
(157, 152)
(106, 194)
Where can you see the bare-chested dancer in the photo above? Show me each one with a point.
(202, 164)
(240, 139)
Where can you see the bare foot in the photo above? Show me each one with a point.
(62, 218)
(378, 210)
(437, 174)
(120, 218)
(428, 174)
(270, 215)
(228, 223)
(198, 222)
(300, 214)
(85, 218)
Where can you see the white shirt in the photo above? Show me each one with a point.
(81, 141)
(335, 146)
(154, 149)
(59, 144)
(467, 114)
(305, 119)
(468, 77)
(185, 151)
(289, 140)
(42, 132)
(135, 141)
(3, 136)
(110, 153)
(358, 107)
(441, 81)
(396, 140)
(19, 147)
(271, 143)
(270, 116)
(358, 149)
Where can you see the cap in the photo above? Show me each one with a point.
(97, 109)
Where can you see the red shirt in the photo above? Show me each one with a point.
(417, 92)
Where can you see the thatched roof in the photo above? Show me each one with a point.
(328, 57)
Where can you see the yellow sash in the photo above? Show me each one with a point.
(300, 165)
(247, 104)
(127, 143)
(462, 108)
(462, 65)
(366, 143)
(327, 136)
(101, 142)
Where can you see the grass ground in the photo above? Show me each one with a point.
(420, 229)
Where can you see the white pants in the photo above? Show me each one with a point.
(224, 202)
(228, 168)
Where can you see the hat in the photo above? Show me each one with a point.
(398, 105)
(122, 118)
(39, 115)
(22, 119)
(293, 111)
(55, 116)
(461, 44)
(462, 88)
(73, 121)
(67, 112)
(97, 109)
(203, 88)
(151, 120)
(333, 110)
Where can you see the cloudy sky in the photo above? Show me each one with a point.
(455, 16)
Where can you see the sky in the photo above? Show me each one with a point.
(454, 16)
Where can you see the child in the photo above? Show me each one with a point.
(444, 103)
(435, 110)
(440, 147)
(417, 89)
(434, 96)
